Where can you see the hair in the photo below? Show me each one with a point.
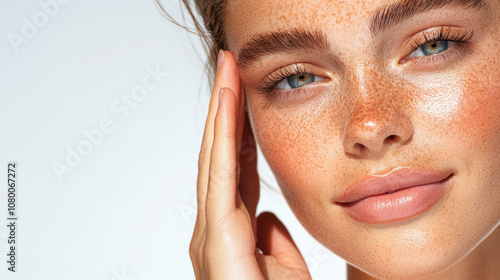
(210, 30)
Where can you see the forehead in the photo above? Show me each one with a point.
(279, 12)
(246, 18)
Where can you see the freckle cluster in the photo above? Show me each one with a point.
(374, 115)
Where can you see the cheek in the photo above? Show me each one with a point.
(459, 114)
(472, 116)
(462, 118)
(479, 111)
(478, 130)
(298, 144)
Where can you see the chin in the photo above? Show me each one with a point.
(409, 264)
(411, 251)
(418, 247)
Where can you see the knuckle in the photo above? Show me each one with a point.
(201, 157)
(192, 251)
(216, 182)
(196, 243)
(229, 135)
(219, 174)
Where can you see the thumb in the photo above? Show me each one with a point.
(273, 239)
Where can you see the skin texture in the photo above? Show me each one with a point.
(443, 113)
(228, 241)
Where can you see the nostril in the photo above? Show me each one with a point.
(359, 146)
(391, 138)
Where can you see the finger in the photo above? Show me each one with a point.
(226, 76)
(240, 96)
(241, 117)
(249, 187)
(222, 181)
(274, 240)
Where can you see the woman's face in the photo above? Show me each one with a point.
(368, 97)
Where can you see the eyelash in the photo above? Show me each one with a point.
(443, 34)
(271, 80)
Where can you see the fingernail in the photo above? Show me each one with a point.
(220, 95)
(220, 59)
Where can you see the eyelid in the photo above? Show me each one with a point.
(285, 71)
(272, 79)
(461, 36)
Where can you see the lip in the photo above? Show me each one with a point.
(413, 191)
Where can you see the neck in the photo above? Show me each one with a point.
(481, 263)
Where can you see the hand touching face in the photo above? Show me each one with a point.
(341, 90)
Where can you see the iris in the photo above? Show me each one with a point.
(300, 80)
(436, 47)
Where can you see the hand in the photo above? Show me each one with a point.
(224, 245)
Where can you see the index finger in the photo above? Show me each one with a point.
(227, 76)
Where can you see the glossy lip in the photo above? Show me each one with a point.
(395, 180)
(401, 194)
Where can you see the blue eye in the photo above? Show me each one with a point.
(432, 48)
(289, 79)
(297, 81)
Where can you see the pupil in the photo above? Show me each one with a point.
(435, 47)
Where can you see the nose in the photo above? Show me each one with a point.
(378, 119)
(367, 134)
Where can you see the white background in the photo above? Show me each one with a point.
(126, 209)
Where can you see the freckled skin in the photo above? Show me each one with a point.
(371, 117)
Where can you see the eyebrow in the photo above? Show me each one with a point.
(388, 16)
(281, 41)
(297, 39)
